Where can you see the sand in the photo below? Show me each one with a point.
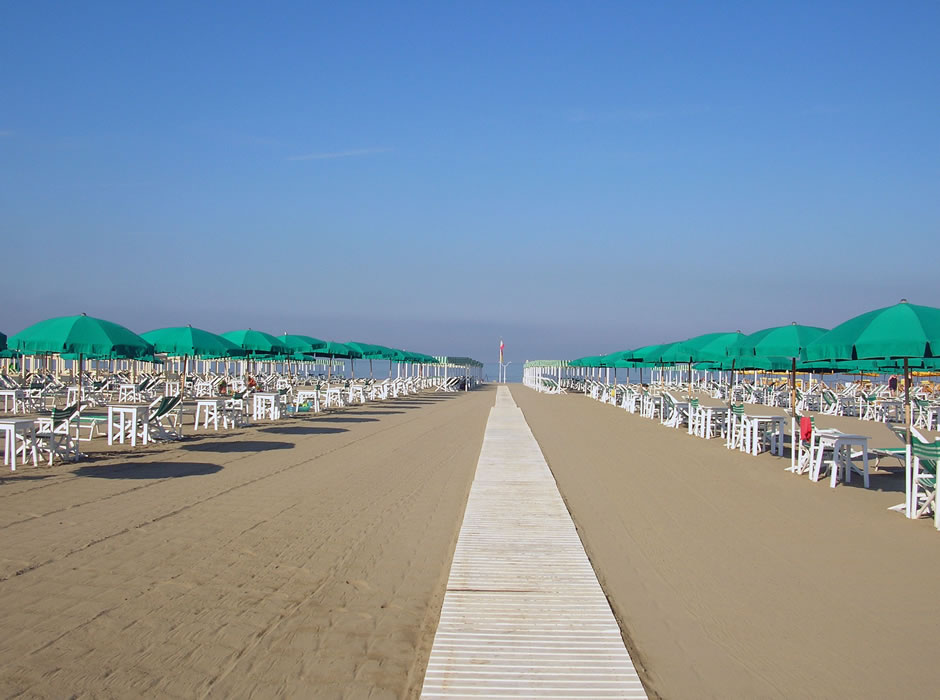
(732, 578)
(306, 558)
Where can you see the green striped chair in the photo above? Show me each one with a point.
(166, 419)
(55, 433)
(925, 456)
(807, 448)
(695, 419)
(737, 428)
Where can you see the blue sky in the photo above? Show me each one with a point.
(576, 177)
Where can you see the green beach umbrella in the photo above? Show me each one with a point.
(894, 332)
(617, 359)
(333, 349)
(586, 361)
(370, 351)
(186, 341)
(256, 342)
(901, 332)
(80, 335)
(709, 347)
(649, 353)
(3, 341)
(766, 364)
(701, 348)
(304, 344)
(778, 341)
(648, 356)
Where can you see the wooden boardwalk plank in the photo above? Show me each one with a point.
(523, 614)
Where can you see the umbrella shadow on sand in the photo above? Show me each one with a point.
(302, 430)
(346, 419)
(149, 470)
(375, 413)
(244, 446)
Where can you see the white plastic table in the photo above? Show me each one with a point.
(305, 395)
(775, 423)
(210, 409)
(842, 462)
(334, 396)
(16, 395)
(13, 427)
(933, 416)
(266, 405)
(125, 417)
(702, 424)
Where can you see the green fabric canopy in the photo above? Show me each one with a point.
(752, 362)
(617, 360)
(333, 349)
(304, 344)
(882, 366)
(899, 331)
(779, 341)
(257, 343)
(702, 348)
(458, 361)
(81, 335)
(372, 352)
(186, 341)
(649, 353)
(3, 341)
(587, 361)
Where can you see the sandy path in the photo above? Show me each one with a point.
(305, 559)
(733, 578)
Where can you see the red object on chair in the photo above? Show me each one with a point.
(806, 429)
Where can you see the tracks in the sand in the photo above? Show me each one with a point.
(281, 571)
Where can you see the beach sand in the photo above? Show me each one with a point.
(732, 578)
(306, 558)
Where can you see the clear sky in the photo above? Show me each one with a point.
(578, 177)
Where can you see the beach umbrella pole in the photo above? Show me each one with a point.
(794, 428)
(908, 467)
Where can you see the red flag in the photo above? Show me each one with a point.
(501, 346)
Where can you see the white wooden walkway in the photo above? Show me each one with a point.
(523, 615)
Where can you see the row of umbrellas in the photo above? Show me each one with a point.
(896, 338)
(85, 337)
(95, 338)
(884, 339)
